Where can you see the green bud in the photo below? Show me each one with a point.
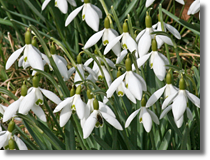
(79, 59)
(148, 21)
(118, 73)
(125, 27)
(35, 81)
(52, 49)
(143, 101)
(95, 104)
(168, 78)
(23, 90)
(11, 126)
(95, 51)
(89, 95)
(86, 1)
(72, 92)
(11, 144)
(34, 42)
(154, 45)
(78, 90)
(28, 37)
(106, 23)
(128, 64)
(182, 84)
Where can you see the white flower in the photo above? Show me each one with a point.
(146, 117)
(31, 57)
(149, 2)
(5, 137)
(34, 98)
(97, 117)
(61, 4)
(194, 8)
(90, 13)
(133, 86)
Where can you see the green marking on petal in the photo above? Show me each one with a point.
(56, 4)
(151, 65)
(73, 108)
(140, 120)
(124, 46)
(126, 85)
(39, 101)
(83, 17)
(105, 42)
(120, 93)
(25, 59)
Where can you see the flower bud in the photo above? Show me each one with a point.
(182, 84)
(168, 78)
(79, 59)
(52, 49)
(95, 104)
(143, 101)
(95, 51)
(78, 90)
(35, 81)
(154, 44)
(11, 126)
(89, 95)
(118, 73)
(148, 21)
(86, 1)
(125, 27)
(106, 23)
(23, 90)
(11, 144)
(28, 37)
(34, 42)
(128, 64)
(72, 92)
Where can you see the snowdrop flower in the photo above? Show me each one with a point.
(158, 61)
(81, 69)
(71, 105)
(149, 2)
(107, 35)
(90, 13)
(61, 4)
(30, 57)
(146, 116)
(194, 8)
(127, 41)
(35, 97)
(144, 38)
(134, 84)
(6, 136)
(96, 118)
(179, 104)
(2, 110)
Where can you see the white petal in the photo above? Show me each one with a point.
(146, 119)
(39, 96)
(98, 10)
(131, 117)
(165, 111)
(62, 59)
(114, 85)
(179, 105)
(12, 109)
(168, 100)
(135, 86)
(112, 44)
(91, 72)
(111, 120)
(110, 63)
(72, 15)
(92, 18)
(45, 4)
(77, 76)
(181, 1)
(61, 67)
(141, 61)
(143, 83)
(189, 114)
(80, 108)
(71, 71)
(155, 96)
(50, 95)
(169, 90)
(159, 67)
(39, 112)
(104, 108)
(63, 6)
(140, 34)
(88, 62)
(93, 39)
(13, 57)
(194, 7)
(164, 59)
(144, 44)
(173, 31)
(65, 115)
(112, 35)
(21, 145)
(166, 39)
(128, 93)
(28, 102)
(179, 122)
(67, 102)
(72, 2)
(193, 98)
(34, 59)
(3, 138)
(20, 62)
(107, 76)
(149, 2)
(90, 124)
(153, 116)
(131, 43)
(122, 55)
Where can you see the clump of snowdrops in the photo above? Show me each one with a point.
(105, 75)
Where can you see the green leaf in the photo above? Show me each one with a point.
(101, 142)
(69, 136)
(166, 141)
(7, 92)
(6, 22)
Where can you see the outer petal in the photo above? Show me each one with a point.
(114, 85)
(155, 96)
(88, 62)
(63, 6)
(21, 145)
(121, 56)
(179, 122)
(193, 98)
(50, 95)
(149, 2)
(61, 67)
(140, 34)
(90, 124)
(173, 31)
(189, 114)
(13, 57)
(72, 15)
(62, 59)
(80, 108)
(3, 138)
(45, 4)
(28, 102)
(72, 2)
(92, 18)
(194, 7)
(112, 44)
(153, 116)
(179, 105)
(112, 35)
(94, 39)
(141, 61)
(169, 90)
(159, 67)
(110, 63)
(143, 83)
(165, 39)
(146, 119)
(144, 44)
(104, 108)
(71, 71)
(20, 62)
(91, 72)
(107, 76)
(61, 105)
(39, 112)
(165, 111)
(131, 117)
(111, 120)
(168, 100)
(128, 93)
(131, 43)
(98, 10)
(65, 115)
(181, 1)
